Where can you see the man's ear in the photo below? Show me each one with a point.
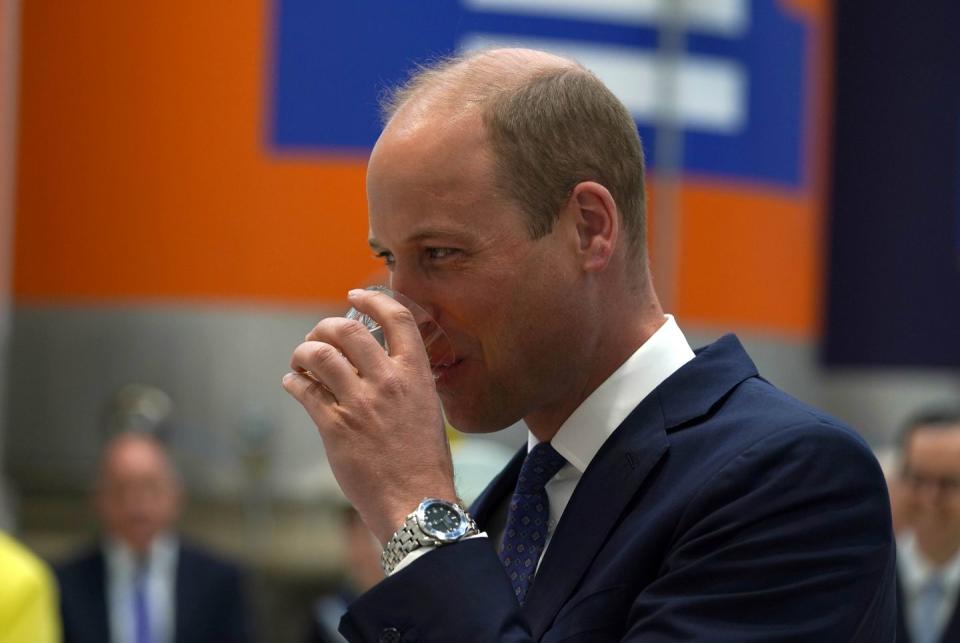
(598, 224)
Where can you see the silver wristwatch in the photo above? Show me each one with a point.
(435, 522)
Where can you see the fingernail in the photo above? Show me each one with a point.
(287, 377)
(356, 292)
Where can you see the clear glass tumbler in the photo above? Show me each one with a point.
(438, 346)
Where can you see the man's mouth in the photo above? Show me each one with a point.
(441, 368)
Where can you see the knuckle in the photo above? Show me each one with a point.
(318, 330)
(352, 328)
(393, 383)
(323, 353)
(402, 316)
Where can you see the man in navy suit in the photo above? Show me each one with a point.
(665, 494)
(929, 549)
(143, 584)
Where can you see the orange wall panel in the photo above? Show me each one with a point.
(144, 170)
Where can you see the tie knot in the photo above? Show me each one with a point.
(542, 463)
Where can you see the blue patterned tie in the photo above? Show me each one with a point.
(527, 519)
(141, 612)
(926, 608)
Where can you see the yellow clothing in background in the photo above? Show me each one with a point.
(28, 596)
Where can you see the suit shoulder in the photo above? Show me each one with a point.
(761, 433)
(769, 435)
(81, 563)
(766, 414)
(199, 558)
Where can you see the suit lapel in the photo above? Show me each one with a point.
(902, 635)
(184, 597)
(623, 463)
(952, 630)
(608, 484)
(98, 594)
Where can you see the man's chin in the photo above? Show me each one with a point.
(474, 423)
(139, 543)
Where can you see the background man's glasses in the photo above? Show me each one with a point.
(941, 484)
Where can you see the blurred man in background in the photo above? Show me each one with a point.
(929, 551)
(28, 596)
(142, 583)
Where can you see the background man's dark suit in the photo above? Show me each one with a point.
(209, 600)
(720, 510)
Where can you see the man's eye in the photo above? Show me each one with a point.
(441, 253)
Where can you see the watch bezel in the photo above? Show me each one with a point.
(442, 536)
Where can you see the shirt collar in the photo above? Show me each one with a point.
(588, 427)
(122, 561)
(916, 570)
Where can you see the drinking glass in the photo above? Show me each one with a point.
(438, 346)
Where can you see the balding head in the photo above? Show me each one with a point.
(467, 82)
(549, 123)
(137, 493)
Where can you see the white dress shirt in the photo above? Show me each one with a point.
(580, 437)
(914, 573)
(161, 571)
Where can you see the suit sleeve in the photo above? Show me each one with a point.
(789, 541)
(457, 592)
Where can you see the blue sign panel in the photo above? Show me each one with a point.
(740, 90)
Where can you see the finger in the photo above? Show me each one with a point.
(399, 325)
(312, 395)
(354, 340)
(327, 365)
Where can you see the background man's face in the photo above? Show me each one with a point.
(137, 496)
(932, 476)
(460, 249)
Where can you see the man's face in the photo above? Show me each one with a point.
(459, 248)
(932, 476)
(137, 496)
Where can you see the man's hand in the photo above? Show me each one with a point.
(379, 415)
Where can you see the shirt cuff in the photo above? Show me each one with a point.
(417, 553)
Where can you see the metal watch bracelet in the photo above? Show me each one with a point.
(410, 537)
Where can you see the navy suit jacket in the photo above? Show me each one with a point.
(209, 599)
(951, 631)
(720, 510)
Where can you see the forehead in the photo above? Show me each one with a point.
(134, 458)
(935, 447)
(433, 179)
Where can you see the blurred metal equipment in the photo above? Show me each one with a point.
(668, 139)
(255, 435)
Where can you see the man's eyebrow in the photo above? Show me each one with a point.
(439, 234)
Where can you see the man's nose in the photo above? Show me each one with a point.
(930, 493)
(411, 282)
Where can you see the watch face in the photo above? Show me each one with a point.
(441, 519)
